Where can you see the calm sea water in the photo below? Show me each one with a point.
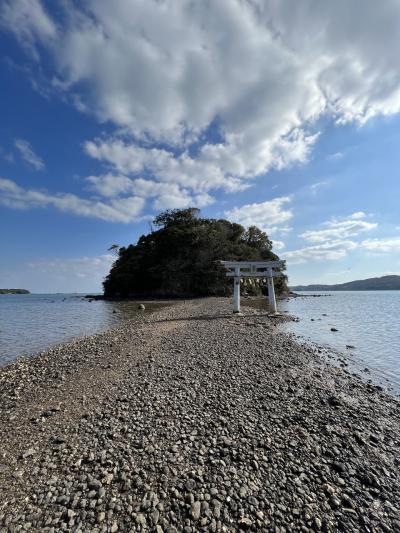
(33, 322)
(367, 320)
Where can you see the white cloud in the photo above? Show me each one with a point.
(317, 186)
(334, 240)
(75, 274)
(166, 71)
(26, 152)
(269, 215)
(165, 195)
(81, 267)
(199, 175)
(336, 156)
(391, 244)
(278, 245)
(329, 251)
(29, 22)
(110, 185)
(117, 210)
(340, 228)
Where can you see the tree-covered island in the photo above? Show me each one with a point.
(180, 258)
(14, 291)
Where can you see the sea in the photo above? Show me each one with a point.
(30, 323)
(367, 324)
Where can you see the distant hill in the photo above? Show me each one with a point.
(385, 283)
(14, 291)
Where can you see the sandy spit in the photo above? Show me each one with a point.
(191, 419)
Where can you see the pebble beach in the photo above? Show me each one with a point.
(191, 419)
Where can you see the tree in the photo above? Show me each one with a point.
(114, 248)
(181, 257)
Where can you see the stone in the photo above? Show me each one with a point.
(245, 523)
(195, 510)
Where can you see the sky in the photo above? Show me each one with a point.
(276, 113)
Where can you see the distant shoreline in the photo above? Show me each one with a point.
(384, 283)
(14, 291)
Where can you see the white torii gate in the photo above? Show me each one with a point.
(253, 269)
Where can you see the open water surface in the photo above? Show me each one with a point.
(33, 322)
(368, 324)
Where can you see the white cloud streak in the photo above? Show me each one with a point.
(384, 245)
(340, 229)
(335, 240)
(329, 251)
(81, 267)
(26, 152)
(117, 210)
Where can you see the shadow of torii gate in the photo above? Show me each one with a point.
(253, 269)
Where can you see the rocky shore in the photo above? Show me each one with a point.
(192, 420)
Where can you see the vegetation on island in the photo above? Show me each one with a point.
(180, 258)
(14, 291)
(384, 283)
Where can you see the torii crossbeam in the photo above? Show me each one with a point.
(253, 269)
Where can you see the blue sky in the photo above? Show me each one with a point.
(111, 112)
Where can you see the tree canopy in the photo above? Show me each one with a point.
(180, 257)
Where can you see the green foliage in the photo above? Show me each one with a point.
(181, 257)
(14, 291)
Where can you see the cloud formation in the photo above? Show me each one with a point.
(117, 210)
(328, 251)
(390, 244)
(340, 228)
(80, 267)
(270, 216)
(334, 240)
(209, 95)
(30, 23)
(26, 152)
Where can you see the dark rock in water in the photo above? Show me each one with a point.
(350, 347)
(141, 306)
(334, 329)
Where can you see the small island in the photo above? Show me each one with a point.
(14, 291)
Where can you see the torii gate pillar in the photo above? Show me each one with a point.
(253, 269)
(271, 293)
(236, 291)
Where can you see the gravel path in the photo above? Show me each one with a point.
(191, 420)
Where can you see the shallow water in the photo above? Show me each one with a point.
(369, 321)
(33, 322)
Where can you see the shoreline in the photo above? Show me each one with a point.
(192, 418)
